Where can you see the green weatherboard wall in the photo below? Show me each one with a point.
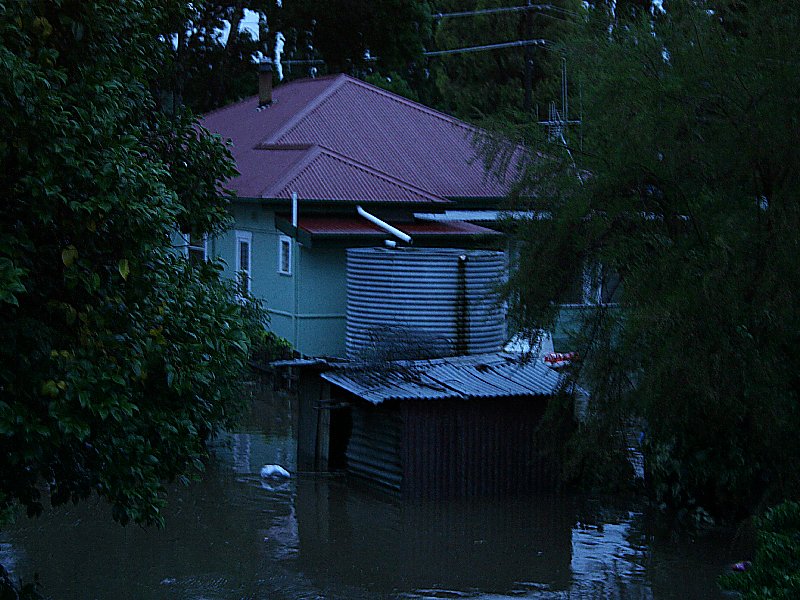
(307, 307)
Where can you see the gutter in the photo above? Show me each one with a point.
(384, 225)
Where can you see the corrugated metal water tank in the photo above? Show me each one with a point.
(445, 297)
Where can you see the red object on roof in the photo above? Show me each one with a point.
(559, 359)
(365, 134)
(357, 226)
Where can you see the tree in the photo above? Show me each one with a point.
(117, 357)
(775, 570)
(392, 31)
(208, 55)
(206, 67)
(684, 183)
(488, 83)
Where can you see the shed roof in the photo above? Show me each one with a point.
(414, 144)
(496, 375)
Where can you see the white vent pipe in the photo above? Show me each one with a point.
(384, 225)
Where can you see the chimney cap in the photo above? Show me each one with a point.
(265, 67)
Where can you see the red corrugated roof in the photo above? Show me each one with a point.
(358, 226)
(326, 175)
(370, 135)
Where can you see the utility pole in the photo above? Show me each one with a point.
(527, 102)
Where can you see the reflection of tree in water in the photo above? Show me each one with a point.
(607, 563)
(241, 453)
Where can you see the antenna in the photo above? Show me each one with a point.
(580, 101)
(557, 118)
(564, 96)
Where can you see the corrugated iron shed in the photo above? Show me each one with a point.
(496, 375)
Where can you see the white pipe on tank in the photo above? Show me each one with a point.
(384, 225)
(295, 258)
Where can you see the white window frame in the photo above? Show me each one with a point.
(284, 241)
(593, 287)
(190, 248)
(247, 270)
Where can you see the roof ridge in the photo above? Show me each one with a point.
(315, 150)
(312, 152)
(382, 174)
(337, 82)
(343, 78)
(293, 82)
(415, 105)
(306, 146)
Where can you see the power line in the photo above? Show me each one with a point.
(504, 9)
(514, 44)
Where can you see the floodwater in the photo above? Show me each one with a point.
(233, 536)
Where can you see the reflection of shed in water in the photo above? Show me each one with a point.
(450, 427)
(356, 537)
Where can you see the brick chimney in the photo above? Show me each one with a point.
(264, 84)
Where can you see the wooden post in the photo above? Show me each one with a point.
(322, 458)
(308, 392)
(314, 422)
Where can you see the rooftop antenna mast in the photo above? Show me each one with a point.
(558, 117)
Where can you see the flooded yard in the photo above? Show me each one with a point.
(233, 535)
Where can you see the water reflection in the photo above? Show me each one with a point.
(465, 546)
(235, 536)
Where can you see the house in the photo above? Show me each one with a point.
(363, 215)
(333, 163)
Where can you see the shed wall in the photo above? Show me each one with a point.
(457, 448)
(374, 449)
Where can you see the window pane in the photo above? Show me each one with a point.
(244, 255)
(285, 249)
(244, 266)
(197, 256)
(611, 286)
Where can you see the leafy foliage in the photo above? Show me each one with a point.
(477, 85)
(117, 357)
(205, 67)
(684, 182)
(17, 590)
(208, 56)
(775, 572)
(391, 30)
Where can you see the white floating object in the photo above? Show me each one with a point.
(268, 471)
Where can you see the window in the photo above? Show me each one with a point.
(595, 284)
(243, 260)
(285, 255)
(611, 286)
(196, 248)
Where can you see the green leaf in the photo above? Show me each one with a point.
(124, 268)
(49, 388)
(69, 255)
